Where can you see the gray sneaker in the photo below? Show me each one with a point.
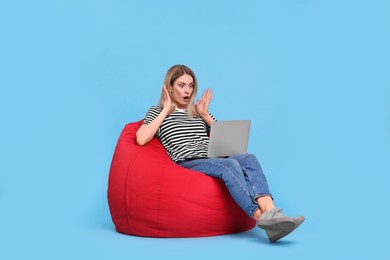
(275, 220)
(274, 235)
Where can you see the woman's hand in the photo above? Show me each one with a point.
(202, 105)
(146, 132)
(168, 106)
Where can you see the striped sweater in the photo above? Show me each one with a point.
(183, 137)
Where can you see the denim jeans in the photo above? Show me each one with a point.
(242, 175)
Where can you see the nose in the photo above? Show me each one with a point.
(187, 90)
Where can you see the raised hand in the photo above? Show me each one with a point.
(202, 105)
(168, 106)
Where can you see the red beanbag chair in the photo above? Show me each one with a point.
(150, 195)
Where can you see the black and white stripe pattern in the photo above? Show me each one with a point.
(183, 137)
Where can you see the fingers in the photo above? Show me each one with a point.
(207, 96)
(203, 103)
(165, 93)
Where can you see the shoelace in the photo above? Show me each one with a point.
(277, 211)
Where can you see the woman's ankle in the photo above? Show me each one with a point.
(256, 214)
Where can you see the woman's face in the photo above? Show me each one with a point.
(182, 90)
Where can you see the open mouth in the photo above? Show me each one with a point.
(186, 98)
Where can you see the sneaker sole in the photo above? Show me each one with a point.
(274, 235)
(277, 224)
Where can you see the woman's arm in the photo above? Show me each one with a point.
(207, 118)
(146, 132)
(202, 107)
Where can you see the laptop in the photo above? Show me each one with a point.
(228, 137)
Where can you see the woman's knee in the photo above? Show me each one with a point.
(244, 159)
(251, 156)
(229, 166)
(231, 163)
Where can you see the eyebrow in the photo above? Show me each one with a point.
(180, 82)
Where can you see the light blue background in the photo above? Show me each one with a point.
(313, 76)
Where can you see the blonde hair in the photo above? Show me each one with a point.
(172, 75)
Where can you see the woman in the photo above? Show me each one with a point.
(182, 126)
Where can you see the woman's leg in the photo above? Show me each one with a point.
(248, 186)
(256, 180)
(272, 219)
(230, 172)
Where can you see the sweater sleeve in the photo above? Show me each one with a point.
(152, 113)
(207, 126)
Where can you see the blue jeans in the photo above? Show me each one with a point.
(242, 175)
